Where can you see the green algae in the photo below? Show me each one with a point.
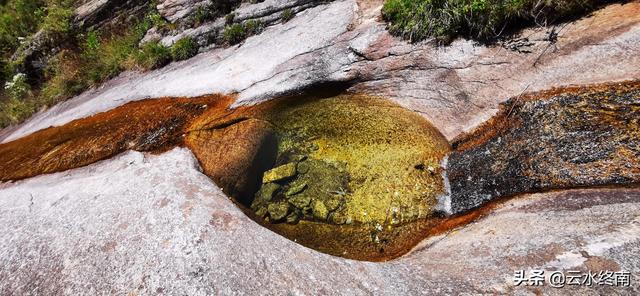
(359, 159)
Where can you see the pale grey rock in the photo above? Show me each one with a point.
(88, 11)
(225, 70)
(174, 10)
(203, 34)
(456, 87)
(272, 8)
(209, 34)
(95, 13)
(154, 225)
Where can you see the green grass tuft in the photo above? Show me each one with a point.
(253, 26)
(483, 20)
(57, 19)
(18, 19)
(151, 55)
(234, 34)
(287, 15)
(184, 49)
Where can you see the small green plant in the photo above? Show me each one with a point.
(184, 49)
(234, 34)
(66, 75)
(18, 19)
(5, 70)
(152, 55)
(57, 19)
(253, 26)
(17, 87)
(84, 61)
(92, 42)
(156, 19)
(203, 14)
(13, 111)
(15, 108)
(287, 15)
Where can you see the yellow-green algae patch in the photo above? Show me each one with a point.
(360, 160)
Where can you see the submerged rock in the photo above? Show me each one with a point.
(320, 210)
(300, 201)
(267, 191)
(295, 189)
(278, 211)
(280, 173)
(93, 229)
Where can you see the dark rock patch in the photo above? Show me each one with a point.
(564, 138)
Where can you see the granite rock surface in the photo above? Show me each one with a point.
(153, 224)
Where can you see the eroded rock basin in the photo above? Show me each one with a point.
(353, 175)
(350, 175)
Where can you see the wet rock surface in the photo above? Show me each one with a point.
(127, 224)
(151, 125)
(340, 160)
(234, 155)
(564, 138)
(313, 192)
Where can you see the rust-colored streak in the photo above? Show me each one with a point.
(355, 241)
(235, 154)
(146, 125)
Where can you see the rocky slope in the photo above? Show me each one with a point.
(154, 223)
(455, 87)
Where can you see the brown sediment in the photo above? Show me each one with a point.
(342, 127)
(362, 243)
(147, 125)
(235, 146)
(235, 155)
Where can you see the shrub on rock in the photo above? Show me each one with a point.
(184, 49)
(234, 34)
(152, 55)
